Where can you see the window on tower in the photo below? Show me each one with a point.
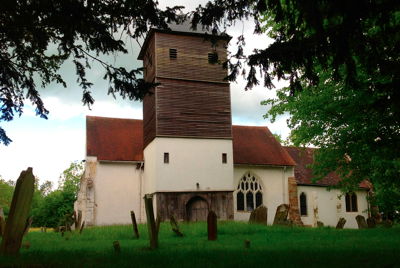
(173, 53)
(212, 57)
(166, 158)
(224, 158)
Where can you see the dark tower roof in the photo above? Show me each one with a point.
(184, 28)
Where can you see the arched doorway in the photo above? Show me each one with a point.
(197, 209)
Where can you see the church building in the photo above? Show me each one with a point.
(187, 153)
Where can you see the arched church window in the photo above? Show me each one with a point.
(303, 204)
(249, 194)
(351, 202)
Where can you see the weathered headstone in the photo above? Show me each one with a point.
(362, 224)
(18, 215)
(28, 225)
(134, 224)
(117, 247)
(175, 226)
(2, 226)
(259, 215)
(2, 222)
(78, 222)
(212, 225)
(247, 243)
(371, 222)
(281, 215)
(341, 223)
(151, 224)
(320, 224)
(82, 226)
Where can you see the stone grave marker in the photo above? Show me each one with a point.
(320, 224)
(134, 225)
(212, 225)
(175, 226)
(362, 224)
(259, 215)
(151, 223)
(281, 215)
(117, 247)
(341, 223)
(19, 213)
(371, 222)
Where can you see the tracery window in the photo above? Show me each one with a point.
(248, 193)
(351, 202)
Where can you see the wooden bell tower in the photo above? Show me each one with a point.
(187, 128)
(193, 99)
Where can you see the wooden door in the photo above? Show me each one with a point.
(197, 209)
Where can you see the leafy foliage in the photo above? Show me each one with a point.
(80, 30)
(342, 61)
(6, 192)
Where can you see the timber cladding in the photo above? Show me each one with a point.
(182, 204)
(192, 58)
(193, 109)
(192, 99)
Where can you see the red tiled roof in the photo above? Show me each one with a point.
(257, 146)
(114, 139)
(117, 139)
(303, 174)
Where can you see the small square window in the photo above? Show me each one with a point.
(224, 158)
(166, 158)
(173, 53)
(212, 58)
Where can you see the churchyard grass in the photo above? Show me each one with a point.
(269, 247)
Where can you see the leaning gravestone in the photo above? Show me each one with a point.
(362, 224)
(151, 222)
(281, 215)
(175, 226)
(2, 222)
(341, 223)
(19, 212)
(134, 225)
(371, 222)
(212, 225)
(259, 215)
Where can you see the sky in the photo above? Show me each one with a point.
(49, 146)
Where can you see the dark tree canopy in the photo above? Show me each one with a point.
(347, 51)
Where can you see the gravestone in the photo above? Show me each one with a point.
(212, 225)
(175, 226)
(371, 222)
(151, 223)
(259, 215)
(19, 213)
(2, 222)
(82, 226)
(117, 247)
(247, 243)
(134, 225)
(320, 224)
(362, 224)
(281, 215)
(341, 223)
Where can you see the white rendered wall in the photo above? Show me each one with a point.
(275, 187)
(117, 192)
(191, 161)
(325, 206)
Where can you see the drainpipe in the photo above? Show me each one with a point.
(141, 170)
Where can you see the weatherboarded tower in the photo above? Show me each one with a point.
(187, 130)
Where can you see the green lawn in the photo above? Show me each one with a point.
(270, 246)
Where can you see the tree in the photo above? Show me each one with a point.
(77, 29)
(56, 204)
(6, 193)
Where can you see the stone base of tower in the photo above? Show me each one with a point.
(194, 206)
